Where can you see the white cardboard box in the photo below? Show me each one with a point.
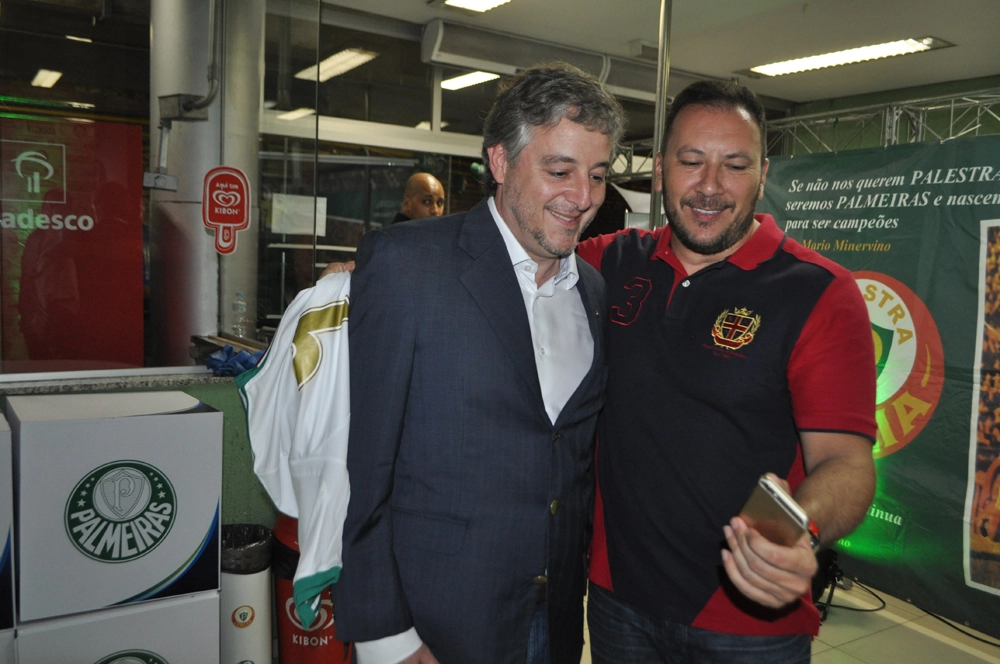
(117, 499)
(6, 542)
(181, 630)
(6, 535)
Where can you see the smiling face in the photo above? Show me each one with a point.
(712, 176)
(549, 195)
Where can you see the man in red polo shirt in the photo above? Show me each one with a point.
(733, 351)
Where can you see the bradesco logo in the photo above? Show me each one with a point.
(29, 169)
(909, 360)
(29, 219)
(120, 511)
(37, 174)
(132, 657)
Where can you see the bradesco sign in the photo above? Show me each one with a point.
(36, 175)
(225, 205)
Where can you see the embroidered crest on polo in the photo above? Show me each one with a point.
(120, 511)
(735, 329)
(132, 657)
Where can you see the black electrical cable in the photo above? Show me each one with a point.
(853, 608)
(959, 629)
(933, 615)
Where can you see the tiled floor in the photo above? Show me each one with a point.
(898, 634)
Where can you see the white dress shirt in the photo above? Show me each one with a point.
(560, 331)
(564, 353)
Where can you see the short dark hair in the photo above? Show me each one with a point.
(542, 96)
(723, 96)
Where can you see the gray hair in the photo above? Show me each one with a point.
(542, 96)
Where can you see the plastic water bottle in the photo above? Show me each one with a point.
(241, 322)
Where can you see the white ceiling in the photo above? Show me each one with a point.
(716, 38)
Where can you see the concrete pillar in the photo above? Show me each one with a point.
(185, 268)
(242, 101)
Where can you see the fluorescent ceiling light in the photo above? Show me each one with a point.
(466, 80)
(426, 124)
(850, 56)
(337, 64)
(476, 5)
(46, 78)
(296, 114)
(79, 104)
(80, 39)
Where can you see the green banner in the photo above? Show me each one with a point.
(919, 225)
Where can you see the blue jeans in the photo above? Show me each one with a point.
(621, 635)
(538, 638)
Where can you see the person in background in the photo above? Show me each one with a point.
(423, 197)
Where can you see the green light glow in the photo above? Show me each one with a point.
(889, 535)
(25, 116)
(34, 102)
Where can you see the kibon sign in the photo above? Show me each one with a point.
(225, 206)
(909, 360)
(120, 511)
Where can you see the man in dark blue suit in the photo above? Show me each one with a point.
(477, 372)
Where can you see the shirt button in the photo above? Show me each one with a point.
(554, 506)
(542, 351)
(686, 283)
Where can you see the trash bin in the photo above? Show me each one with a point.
(245, 598)
(298, 643)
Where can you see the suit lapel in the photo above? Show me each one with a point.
(589, 286)
(491, 282)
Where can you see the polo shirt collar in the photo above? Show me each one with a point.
(761, 246)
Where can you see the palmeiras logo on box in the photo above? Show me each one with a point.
(29, 169)
(120, 511)
(132, 657)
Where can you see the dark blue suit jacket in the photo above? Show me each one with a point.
(454, 463)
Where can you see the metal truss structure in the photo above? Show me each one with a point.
(930, 119)
(635, 162)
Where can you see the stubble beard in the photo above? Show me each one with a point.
(735, 232)
(537, 231)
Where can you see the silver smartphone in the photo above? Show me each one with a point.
(775, 514)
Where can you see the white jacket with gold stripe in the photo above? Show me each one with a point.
(298, 417)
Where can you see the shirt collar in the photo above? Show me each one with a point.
(760, 247)
(568, 271)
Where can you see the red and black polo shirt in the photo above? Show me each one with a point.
(710, 378)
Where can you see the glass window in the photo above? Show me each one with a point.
(366, 76)
(98, 272)
(358, 188)
(75, 99)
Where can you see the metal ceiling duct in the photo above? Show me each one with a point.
(458, 45)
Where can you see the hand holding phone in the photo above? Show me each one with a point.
(773, 513)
